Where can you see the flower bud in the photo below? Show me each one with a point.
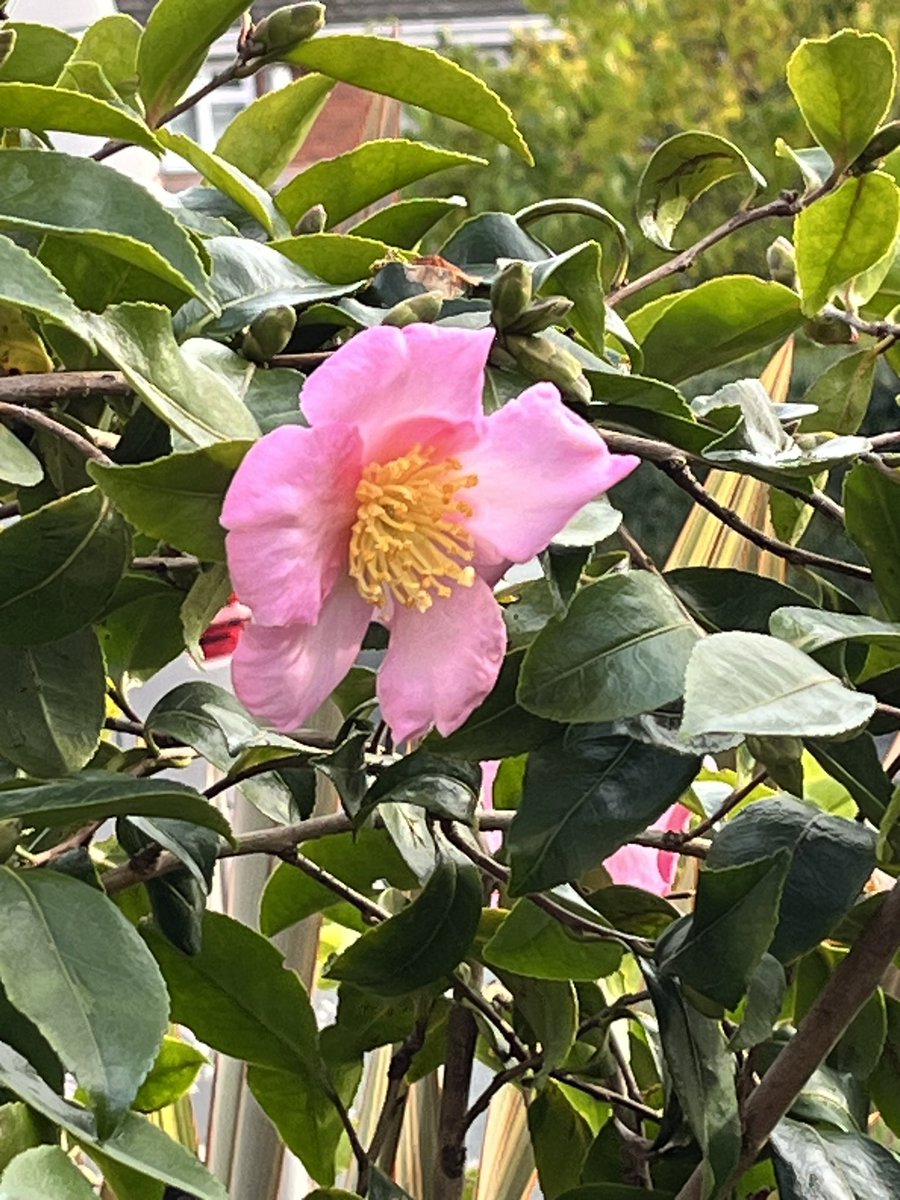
(313, 220)
(782, 262)
(7, 44)
(287, 27)
(269, 333)
(511, 294)
(424, 307)
(828, 331)
(541, 359)
(540, 314)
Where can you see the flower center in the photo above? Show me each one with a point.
(408, 540)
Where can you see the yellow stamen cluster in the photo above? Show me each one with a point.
(408, 539)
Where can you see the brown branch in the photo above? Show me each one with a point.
(62, 385)
(153, 562)
(450, 1168)
(887, 331)
(39, 420)
(731, 802)
(370, 910)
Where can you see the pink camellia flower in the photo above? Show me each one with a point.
(403, 503)
(644, 867)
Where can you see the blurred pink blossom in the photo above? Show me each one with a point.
(644, 867)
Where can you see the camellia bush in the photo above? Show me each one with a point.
(598, 849)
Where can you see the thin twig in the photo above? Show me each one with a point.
(636, 552)
(490, 1014)
(40, 420)
(50, 386)
(81, 837)
(7, 511)
(120, 700)
(606, 1095)
(154, 562)
(888, 331)
(482, 1102)
(369, 909)
(728, 804)
(401, 1060)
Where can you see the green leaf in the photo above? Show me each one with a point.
(531, 942)
(43, 1173)
(175, 42)
(37, 107)
(855, 765)
(141, 631)
(247, 280)
(112, 44)
(442, 786)
(354, 180)
(20, 1129)
(54, 726)
(702, 1074)
(177, 499)
(28, 285)
(59, 566)
(190, 397)
(765, 997)
(842, 394)
(266, 136)
(231, 181)
(96, 795)
(18, 465)
(560, 1136)
(406, 222)
(810, 629)
(171, 1076)
(831, 859)
(872, 503)
(752, 684)
(424, 942)
(209, 593)
(839, 1166)
(100, 210)
(413, 75)
(680, 171)
(621, 649)
(735, 914)
(306, 1121)
(844, 86)
(722, 598)
(584, 797)
(49, 955)
(717, 322)
(883, 1081)
(40, 53)
(210, 720)
(843, 234)
(343, 259)
(136, 1144)
(576, 274)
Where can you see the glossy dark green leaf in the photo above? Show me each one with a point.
(844, 86)
(841, 394)
(142, 630)
(844, 234)
(722, 598)
(424, 942)
(352, 181)
(856, 765)
(54, 726)
(576, 274)
(632, 909)
(825, 1164)
(171, 1076)
(445, 787)
(679, 172)
(735, 915)
(38, 107)
(560, 1136)
(752, 684)
(620, 650)
(872, 504)
(406, 222)
(136, 1144)
(765, 996)
(59, 566)
(413, 75)
(717, 322)
(57, 931)
(196, 846)
(831, 859)
(44, 1173)
(40, 53)
(533, 943)
(177, 499)
(584, 797)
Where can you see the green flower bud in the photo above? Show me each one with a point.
(540, 314)
(424, 307)
(830, 332)
(269, 333)
(541, 359)
(10, 832)
(313, 220)
(782, 262)
(287, 27)
(511, 294)
(7, 44)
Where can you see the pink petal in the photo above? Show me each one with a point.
(646, 868)
(289, 510)
(537, 465)
(441, 664)
(385, 377)
(283, 673)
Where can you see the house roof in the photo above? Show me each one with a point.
(356, 12)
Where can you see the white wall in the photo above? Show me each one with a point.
(72, 15)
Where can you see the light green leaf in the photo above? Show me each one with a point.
(54, 726)
(405, 223)
(810, 629)
(112, 44)
(28, 284)
(680, 171)
(343, 259)
(576, 274)
(843, 234)
(352, 181)
(838, 1165)
(752, 684)
(59, 566)
(265, 137)
(844, 86)
(175, 42)
(560, 1136)
(40, 53)
(177, 499)
(231, 181)
(620, 650)
(872, 503)
(95, 795)
(209, 593)
(196, 401)
(531, 942)
(38, 107)
(413, 75)
(18, 465)
(44, 1173)
(717, 322)
(171, 1076)
(100, 209)
(306, 1121)
(20, 1129)
(842, 394)
(52, 951)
